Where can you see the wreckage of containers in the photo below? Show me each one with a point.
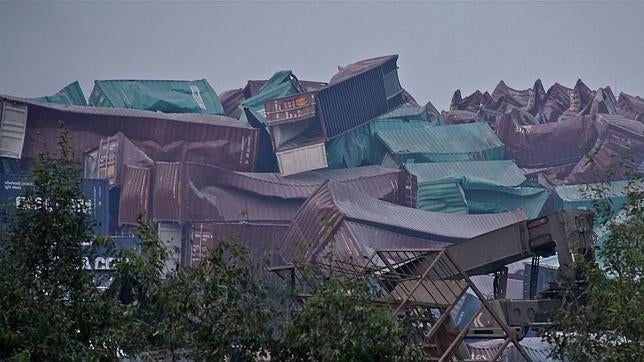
(349, 226)
(300, 124)
(474, 187)
(167, 96)
(460, 142)
(208, 139)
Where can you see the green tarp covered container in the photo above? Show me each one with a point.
(281, 84)
(167, 96)
(458, 142)
(72, 95)
(360, 147)
(475, 187)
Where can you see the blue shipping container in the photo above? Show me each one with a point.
(95, 191)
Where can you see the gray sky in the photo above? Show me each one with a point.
(442, 46)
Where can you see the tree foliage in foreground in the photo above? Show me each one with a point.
(602, 317)
(50, 308)
(340, 322)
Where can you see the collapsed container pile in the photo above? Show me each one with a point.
(283, 166)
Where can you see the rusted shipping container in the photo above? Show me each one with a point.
(134, 200)
(259, 239)
(209, 139)
(189, 192)
(350, 225)
(545, 145)
(618, 150)
(109, 158)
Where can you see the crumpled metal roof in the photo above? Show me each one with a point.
(333, 204)
(209, 139)
(189, 192)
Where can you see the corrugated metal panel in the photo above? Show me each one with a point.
(112, 155)
(13, 125)
(302, 159)
(135, 195)
(359, 93)
(72, 94)
(291, 109)
(259, 239)
(231, 100)
(332, 204)
(214, 194)
(619, 150)
(168, 96)
(167, 197)
(209, 139)
(583, 196)
(503, 172)
(460, 142)
(545, 145)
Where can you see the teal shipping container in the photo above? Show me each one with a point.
(359, 147)
(449, 143)
(167, 96)
(474, 187)
(72, 95)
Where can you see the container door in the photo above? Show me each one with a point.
(170, 234)
(12, 129)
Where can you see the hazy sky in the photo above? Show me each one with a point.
(442, 46)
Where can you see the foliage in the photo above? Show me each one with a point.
(340, 322)
(50, 308)
(210, 311)
(602, 316)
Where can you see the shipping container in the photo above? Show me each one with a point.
(101, 262)
(70, 95)
(135, 196)
(171, 235)
(302, 159)
(203, 138)
(95, 192)
(259, 239)
(359, 93)
(108, 160)
(168, 96)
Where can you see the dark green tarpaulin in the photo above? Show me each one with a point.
(71, 95)
(360, 147)
(168, 96)
(475, 187)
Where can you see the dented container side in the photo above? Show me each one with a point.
(135, 200)
(302, 159)
(167, 194)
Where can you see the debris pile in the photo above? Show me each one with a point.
(253, 161)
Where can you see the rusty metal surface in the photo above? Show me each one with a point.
(114, 153)
(189, 192)
(209, 139)
(259, 239)
(545, 145)
(320, 216)
(231, 100)
(135, 195)
(619, 150)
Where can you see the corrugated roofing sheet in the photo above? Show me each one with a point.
(536, 348)
(168, 96)
(460, 142)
